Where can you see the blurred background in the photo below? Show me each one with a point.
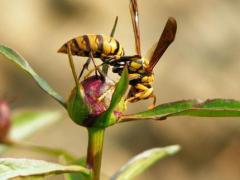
(202, 63)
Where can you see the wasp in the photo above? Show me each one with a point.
(110, 51)
(141, 69)
(94, 46)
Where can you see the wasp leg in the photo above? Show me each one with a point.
(97, 69)
(134, 77)
(145, 92)
(85, 66)
(93, 70)
(112, 60)
(105, 93)
(92, 58)
(108, 59)
(154, 101)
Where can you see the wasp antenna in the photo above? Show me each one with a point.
(114, 27)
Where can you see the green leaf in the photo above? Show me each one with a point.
(208, 108)
(16, 168)
(108, 118)
(143, 161)
(25, 124)
(55, 152)
(23, 64)
(77, 107)
(120, 90)
(76, 175)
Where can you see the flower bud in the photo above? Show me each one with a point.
(5, 122)
(92, 100)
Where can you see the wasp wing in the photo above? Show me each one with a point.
(166, 38)
(135, 22)
(150, 51)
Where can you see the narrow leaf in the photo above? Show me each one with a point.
(120, 90)
(23, 64)
(55, 152)
(25, 124)
(76, 175)
(143, 161)
(16, 168)
(208, 108)
(107, 118)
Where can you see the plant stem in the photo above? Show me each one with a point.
(95, 148)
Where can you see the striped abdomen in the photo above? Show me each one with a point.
(99, 46)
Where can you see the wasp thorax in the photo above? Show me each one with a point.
(92, 99)
(5, 122)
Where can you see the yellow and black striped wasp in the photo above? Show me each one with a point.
(140, 69)
(111, 52)
(94, 46)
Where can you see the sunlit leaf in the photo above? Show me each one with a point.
(26, 123)
(23, 64)
(15, 168)
(208, 108)
(77, 108)
(120, 90)
(76, 175)
(143, 161)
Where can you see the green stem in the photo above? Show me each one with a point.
(95, 148)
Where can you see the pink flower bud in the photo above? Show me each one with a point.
(94, 87)
(5, 123)
(92, 100)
